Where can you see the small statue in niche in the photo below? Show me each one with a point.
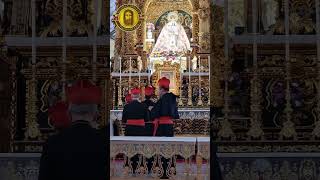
(150, 29)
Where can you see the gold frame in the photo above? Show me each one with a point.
(167, 67)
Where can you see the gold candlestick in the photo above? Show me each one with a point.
(120, 103)
(189, 95)
(180, 98)
(200, 102)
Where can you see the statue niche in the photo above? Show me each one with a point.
(79, 20)
(172, 38)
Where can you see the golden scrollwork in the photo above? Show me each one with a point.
(172, 70)
(288, 130)
(156, 8)
(32, 129)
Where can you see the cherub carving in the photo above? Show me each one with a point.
(78, 22)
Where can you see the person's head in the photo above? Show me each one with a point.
(135, 94)
(128, 17)
(148, 91)
(58, 115)
(84, 98)
(164, 85)
(85, 112)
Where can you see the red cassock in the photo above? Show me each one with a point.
(58, 115)
(84, 92)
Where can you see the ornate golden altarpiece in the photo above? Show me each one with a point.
(134, 49)
(60, 57)
(173, 71)
(291, 127)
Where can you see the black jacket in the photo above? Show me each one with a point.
(135, 110)
(148, 103)
(166, 106)
(79, 152)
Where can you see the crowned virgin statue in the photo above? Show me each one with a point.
(173, 38)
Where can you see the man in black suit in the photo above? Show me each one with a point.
(78, 152)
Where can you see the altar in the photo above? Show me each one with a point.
(167, 44)
(170, 43)
(192, 122)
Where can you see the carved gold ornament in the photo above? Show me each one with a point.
(167, 69)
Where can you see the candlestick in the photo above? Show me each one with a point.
(189, 68)
(149, 72)
(180, 97)
(120, 85)
(189, 85)
(139, 77)
(209, 80)
(130, 70)
(200, 103)
(199, 76)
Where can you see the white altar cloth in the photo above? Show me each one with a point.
(152, 140)
(149, 146)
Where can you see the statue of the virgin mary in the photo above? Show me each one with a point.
(173, 37)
